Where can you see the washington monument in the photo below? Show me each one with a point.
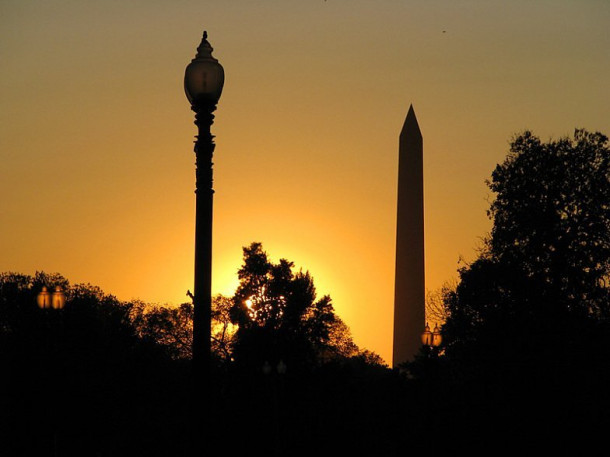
(409, 286)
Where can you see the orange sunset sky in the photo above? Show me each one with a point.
(96, 135)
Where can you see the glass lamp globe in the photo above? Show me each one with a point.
(426, 336)
(436, 337)
(204, 77)
(58, 300)
(44, 298)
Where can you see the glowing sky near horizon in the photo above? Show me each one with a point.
(96, 134)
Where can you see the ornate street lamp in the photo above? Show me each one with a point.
(203, 82)
(426, 336)
(46, 300)
(432, 339)
(56, 301)
(437, 339)
(203, 79)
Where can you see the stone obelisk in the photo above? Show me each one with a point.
(409, 286)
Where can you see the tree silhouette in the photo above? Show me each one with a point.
(107, 377)
(82, 380)
(168, 327)
(552, 218)
(545, 266)
(528, 323)
(279, 317)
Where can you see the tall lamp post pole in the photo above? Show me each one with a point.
(53, 301)
(203, 82)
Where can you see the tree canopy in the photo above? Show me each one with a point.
(110, 377)
(527, 335)
(280, 318)
(97, 377)
(543, 271)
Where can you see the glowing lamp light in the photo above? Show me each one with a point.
(204, 76)
(44, 298)
(58, 300)
(426, 336)
(433, 338)
(436, 336)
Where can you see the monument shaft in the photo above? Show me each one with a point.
(409, 286)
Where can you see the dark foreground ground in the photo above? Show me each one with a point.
(139, 409)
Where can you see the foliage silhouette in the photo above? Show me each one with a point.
(528, 323)
(105, 377)
(80, 380)
(545, 266)
(169, 327)
(278, 317)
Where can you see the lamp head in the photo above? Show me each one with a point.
(58, 299)
(426, 336)
(437, 338)
(204, 77)
(44, 298)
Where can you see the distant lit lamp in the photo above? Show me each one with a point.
(58, 299)
(44, 298)
(426, 336)
(433, 339)
(437, 339)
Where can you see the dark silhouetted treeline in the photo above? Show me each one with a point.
(80, 381)
(526, 354)
(112, 378)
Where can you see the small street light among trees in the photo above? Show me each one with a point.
(47, 300)
(55, 301)
(431, 339)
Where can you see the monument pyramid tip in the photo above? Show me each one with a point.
(411, 126)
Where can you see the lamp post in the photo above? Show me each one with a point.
(53, 301)
(431, 339)
(203, 82)
(46, 300)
